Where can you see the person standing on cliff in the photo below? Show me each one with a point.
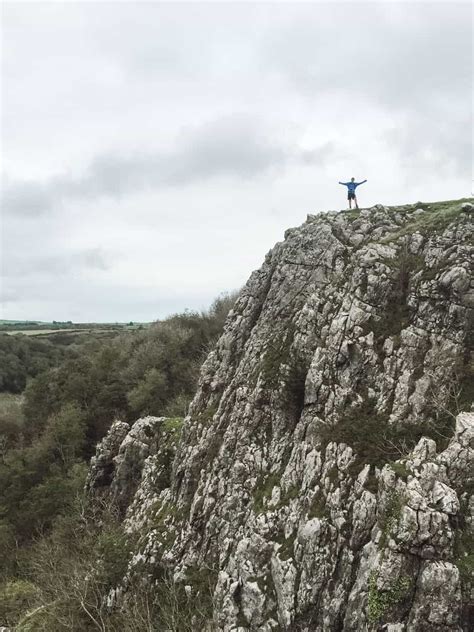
(351, 187)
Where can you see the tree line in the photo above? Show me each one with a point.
(67, 409)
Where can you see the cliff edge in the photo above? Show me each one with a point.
(323, 478)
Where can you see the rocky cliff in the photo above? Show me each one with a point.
(323, 477)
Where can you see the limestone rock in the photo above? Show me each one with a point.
(321, 482)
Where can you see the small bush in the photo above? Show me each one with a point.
(401, 470)
(380, 602)
(375, 441)
(16, 597)
(390, 516)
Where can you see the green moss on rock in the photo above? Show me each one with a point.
(390, 516)
(379, 601)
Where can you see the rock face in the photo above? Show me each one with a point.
(323, 479)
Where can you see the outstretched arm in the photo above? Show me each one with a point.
(361, 182)
(344, 183)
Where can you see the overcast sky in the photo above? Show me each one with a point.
(154, 152)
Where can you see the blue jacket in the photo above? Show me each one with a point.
(351, 186)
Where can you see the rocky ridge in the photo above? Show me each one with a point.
(323, 478)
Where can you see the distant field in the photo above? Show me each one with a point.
(32, 328)
(44, 332)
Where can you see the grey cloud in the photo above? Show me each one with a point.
(25, 198)
(9, 296)
(233, 146)
(433, 142)
(57, 299)
(319, 155)
(398, 56)
(411, 62)
(92, 258)
(57, 265)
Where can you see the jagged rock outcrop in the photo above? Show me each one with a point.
(321, 482)
(131, 459)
